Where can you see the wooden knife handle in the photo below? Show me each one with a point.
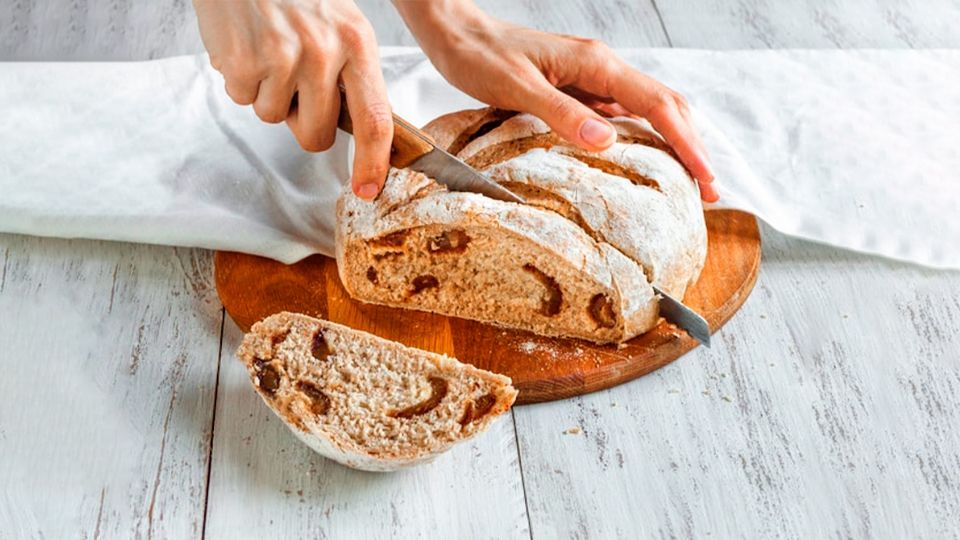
(409, 143)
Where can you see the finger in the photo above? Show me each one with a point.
(648, 98)
(688, 118)
(242, 92)
(314, 120)
(708, 192)
(680, 135)
(273, 100)
(615, 109)
(241, 80)
(583, 96)
(612, 109)
(572, 120)
(372, 123)
(216, 62)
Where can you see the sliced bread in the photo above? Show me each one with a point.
(577, 261)
(364, 401)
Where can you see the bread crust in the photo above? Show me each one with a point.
(624, 219)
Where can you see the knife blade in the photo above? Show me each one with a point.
(458, 176)
(414, 149)
(685, 318)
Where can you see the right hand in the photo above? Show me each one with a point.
(272, 50)
(559, 78)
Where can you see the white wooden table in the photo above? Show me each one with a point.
(828, 407)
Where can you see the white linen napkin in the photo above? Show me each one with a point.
(858, 149)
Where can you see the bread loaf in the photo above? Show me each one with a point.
(578, 260)
(367, 402)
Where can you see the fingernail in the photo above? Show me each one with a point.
(597, 132)
(708, 192)
(368, 191)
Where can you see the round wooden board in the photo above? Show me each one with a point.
(542, 369)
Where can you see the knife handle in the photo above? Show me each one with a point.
(409, 143)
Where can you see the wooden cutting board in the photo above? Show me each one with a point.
(543, 369)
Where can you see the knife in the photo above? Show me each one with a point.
(685, 318)
(414, 149)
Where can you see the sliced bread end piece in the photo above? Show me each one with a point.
(367, 402)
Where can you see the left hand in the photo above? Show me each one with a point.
(272, 50)
(522, 69)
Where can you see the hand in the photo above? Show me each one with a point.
(270, 51)
(521, 69)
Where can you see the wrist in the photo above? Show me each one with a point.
(438, 10)
(435, 23)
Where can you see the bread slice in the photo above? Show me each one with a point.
(577, 261)
(364, 401)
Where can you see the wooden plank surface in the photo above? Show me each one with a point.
(822, 411)
(97, 29)
(109, 358)
(113, 30)
(827, 408)
(819, 24)
(627, 23)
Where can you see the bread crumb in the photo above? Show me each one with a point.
(573, 431)
(528, 346)
(544, 349)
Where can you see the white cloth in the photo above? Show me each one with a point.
(858, 149)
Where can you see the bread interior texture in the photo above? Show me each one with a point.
(486, 274)
(367, 395)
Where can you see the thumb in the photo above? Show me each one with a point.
(572, 120)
